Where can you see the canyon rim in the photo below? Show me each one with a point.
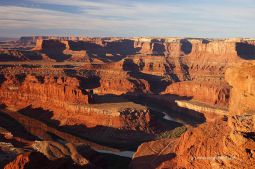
(112, 99)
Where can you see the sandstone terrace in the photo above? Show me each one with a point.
(113, 91)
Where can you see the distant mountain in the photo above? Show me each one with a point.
(2, 39)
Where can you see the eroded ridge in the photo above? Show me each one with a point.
(172, 102)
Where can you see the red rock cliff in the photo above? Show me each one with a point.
(216, 144)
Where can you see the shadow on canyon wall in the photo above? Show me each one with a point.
(106, 51)
(186, 46)
(64, 66)
(118, 50)
(31, 66)
(103, 160)
(12, 56)
(108, 136)
(151, 161)
(87, 79)
(46, 132)
(108, 98)
(169, 106)
(245, 50)
(39, 161)
(122, 47)
(157, 84)
(89, 82)
(2, 78)
(31, 55)
(158, 49)
(20, 77)
(107, 161)
(16, 128)
(54, 50)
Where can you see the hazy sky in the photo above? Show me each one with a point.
(185, 18)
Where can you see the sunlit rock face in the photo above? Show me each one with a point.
(48, 89)
(218, 144)
(119, 93)
(241, 77)
(214, 93)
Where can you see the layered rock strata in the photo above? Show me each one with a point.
(66, 99)
(217, 144)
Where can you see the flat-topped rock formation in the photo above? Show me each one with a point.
(183, 100)
(195, 49)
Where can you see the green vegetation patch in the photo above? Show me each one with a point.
(177, 132)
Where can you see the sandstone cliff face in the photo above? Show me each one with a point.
(64, 99)
(242, 79)
(145, 47)
(151, 65)
(213, 93)
(217, 144)
(180, 59)
(114, 82)
(38, 45)
(159, 69)
(242, 107)
(7, 55)
(198, 52)
(203, 63)
(212, 58)
(48, 89)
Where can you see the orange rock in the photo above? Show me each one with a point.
(213, 93)
(242, 78)
(36, 160)
(44, 89)
(217, 144)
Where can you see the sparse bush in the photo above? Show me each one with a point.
(177, 132)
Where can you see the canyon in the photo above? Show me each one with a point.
(83, 102)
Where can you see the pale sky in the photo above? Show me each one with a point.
(126, 18)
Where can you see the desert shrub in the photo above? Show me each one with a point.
(177, 132)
